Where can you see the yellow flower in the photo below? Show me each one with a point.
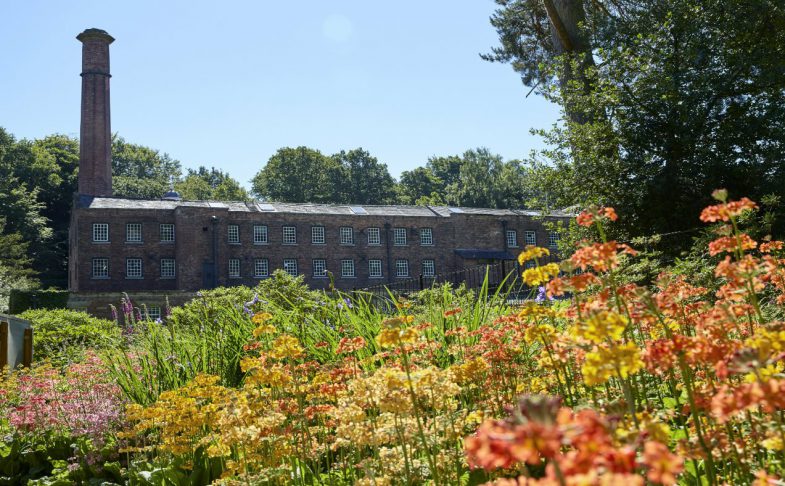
(604, 363)
(531, 309)
(263, 329)
(767, 342)
(531, 253)
(540, 275)
(539, 333)
(601, 326)
(286, 346)
(261, 317)
(393, 336)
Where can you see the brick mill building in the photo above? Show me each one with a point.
(170, 248)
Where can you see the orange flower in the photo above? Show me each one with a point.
(593, 214)
(770, 246)
(600, 256)
(726, 211)
(350, 345)
(663, 465)
(453, 312)
(731, 243)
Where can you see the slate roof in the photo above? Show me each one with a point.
(93, 202)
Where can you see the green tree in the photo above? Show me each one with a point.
(20, 209)
(363, 180)
(298, 175)
(141, 172)
(419, 186)
(213, 184)
(15, 265)
(686, 96)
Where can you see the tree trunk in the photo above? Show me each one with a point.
(570, 42)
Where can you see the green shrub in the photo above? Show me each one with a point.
(63, 335)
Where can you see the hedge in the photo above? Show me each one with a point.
(22, 300)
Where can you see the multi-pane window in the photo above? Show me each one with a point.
(234, 268)
(374, 236)
(100, 268)
(401, 268)
(347, 235)
(261, 268)
(553, 241)
(289, 235)
(426, 236)
(101, 232)
(290, 266)
(133, 268)
(167, 268)
(319, 268)
(317, 235)
(260, 234)
(154, 312)
(399, 236)
(375, 268)
(428, 268)
(531, 238)
(133, 232)
(167, 233)
(234, 234)
(512, 238)
(347, 268)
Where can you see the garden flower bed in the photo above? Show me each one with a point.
(599, 381)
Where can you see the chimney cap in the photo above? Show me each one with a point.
(95, 34)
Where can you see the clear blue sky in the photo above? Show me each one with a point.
(226, 84)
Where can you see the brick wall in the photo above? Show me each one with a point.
(196, 227)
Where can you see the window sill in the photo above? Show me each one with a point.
(402, 276)
(289, 244)
(134, 242)
(348, 278)
(318, 243)
(346, 244)
(375, 276)
(100, 242)
(320, 277)
(260, 277)
(260, 244)
(235, 243)
(99, 278)
(134, 278)
(168, 278)
(374, 244)
(167, 242)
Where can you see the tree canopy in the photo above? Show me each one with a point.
(680, 97)
(303, 174)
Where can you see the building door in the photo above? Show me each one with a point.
(208, 275)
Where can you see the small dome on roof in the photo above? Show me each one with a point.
(171, 195)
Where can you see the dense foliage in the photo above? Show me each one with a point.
(62, 335)
(664, 100)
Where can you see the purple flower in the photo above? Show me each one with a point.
(114, 312)
(541, 296)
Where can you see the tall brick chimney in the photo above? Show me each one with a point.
(95, 135)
